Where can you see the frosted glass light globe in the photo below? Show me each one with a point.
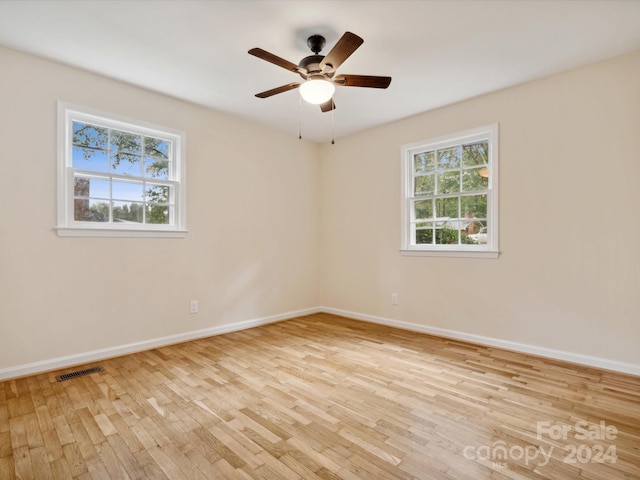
(317, 91)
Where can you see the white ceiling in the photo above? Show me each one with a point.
(438, 52)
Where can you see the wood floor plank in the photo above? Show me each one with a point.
(41, 463)
(73, 457)
(152, 470)
(60, 470)
(322, 397)
(6, 449)
(18, 432)
(4, 415)
(52, 445)
(22, 461)
(7, 468)
(113, 463)
(173, 466)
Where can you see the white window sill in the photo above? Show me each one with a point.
(119, 232)
(450, 253)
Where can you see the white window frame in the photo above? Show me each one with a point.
(488, 250)
(67, 226)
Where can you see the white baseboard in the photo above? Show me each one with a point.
(495, 342)
(104, 353)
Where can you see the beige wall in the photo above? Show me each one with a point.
(277, 225)
(251, 252)
(568, 277)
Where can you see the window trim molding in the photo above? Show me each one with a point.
(491, 249)
(66, 227)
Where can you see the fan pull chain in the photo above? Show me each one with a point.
(333, 126)
(299, 117)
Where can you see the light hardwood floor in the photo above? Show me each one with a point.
(323, 397)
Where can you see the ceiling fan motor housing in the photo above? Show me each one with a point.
(311, 64)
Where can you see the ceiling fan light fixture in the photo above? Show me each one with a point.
(317, 90)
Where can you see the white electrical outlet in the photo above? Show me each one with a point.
(394, 299)
(193, 306)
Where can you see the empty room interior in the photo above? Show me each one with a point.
(432, 272)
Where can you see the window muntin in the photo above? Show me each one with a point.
(119, 176)
(450, 194)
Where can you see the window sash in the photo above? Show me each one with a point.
(112, 198)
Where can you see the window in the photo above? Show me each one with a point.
(450, 195)
(118, 177)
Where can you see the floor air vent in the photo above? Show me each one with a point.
(79, 373)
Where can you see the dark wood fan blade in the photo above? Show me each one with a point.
(348, 43)
(328, 105)
(274, 91)
(271, 58)
(362, 81)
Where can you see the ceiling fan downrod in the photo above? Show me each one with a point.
(316, 43)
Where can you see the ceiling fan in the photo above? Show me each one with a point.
(319, 71)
